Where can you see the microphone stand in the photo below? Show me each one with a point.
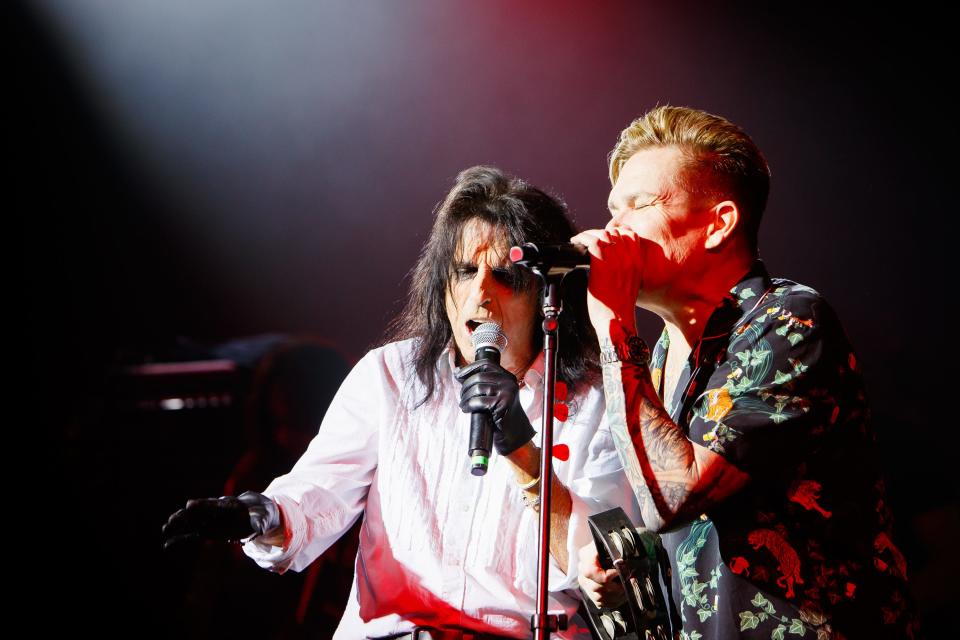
(541, 622)
(540, 263)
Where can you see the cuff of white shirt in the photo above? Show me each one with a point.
(278, 558)
(578, 534)
(600, 493)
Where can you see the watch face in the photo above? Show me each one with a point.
(633, 350)
(638, 350)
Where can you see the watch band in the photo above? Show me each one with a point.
(633, 350)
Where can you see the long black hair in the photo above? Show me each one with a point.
(522, 213)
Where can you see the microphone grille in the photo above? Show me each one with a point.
(489, 334)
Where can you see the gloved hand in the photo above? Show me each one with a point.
(226, 518)
(489, 387)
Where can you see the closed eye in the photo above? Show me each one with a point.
(634, 207)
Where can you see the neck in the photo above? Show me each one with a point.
(517, 368)
(687, 306)
(519, 371)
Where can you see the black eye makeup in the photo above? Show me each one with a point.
(505, 276)
(511, 276)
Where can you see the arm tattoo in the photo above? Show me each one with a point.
(656, 455)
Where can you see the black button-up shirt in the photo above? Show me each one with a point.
(805, 549)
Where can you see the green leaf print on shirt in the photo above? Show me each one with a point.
(692, 589)
(753, 619)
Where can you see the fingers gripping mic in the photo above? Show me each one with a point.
(488, 341)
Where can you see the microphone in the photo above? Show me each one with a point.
(488, 341)
(551, 259)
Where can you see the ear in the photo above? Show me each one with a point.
(724, 219)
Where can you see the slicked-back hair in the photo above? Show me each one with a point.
(520, 213)
(720, 161)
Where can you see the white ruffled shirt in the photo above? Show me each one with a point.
(438, 546)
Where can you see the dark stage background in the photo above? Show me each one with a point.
(194, 174)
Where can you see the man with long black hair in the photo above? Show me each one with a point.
(439, 547)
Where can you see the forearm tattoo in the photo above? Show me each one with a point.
(656, 455)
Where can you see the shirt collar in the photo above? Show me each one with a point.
(740, 300)
(753, 283)
(534, 375)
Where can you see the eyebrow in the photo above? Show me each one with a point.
(506, 266)
(508, 269)
(633, 195)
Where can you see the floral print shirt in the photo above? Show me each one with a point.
(805, 550)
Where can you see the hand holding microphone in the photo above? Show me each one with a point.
(492, 394)
(618, 259)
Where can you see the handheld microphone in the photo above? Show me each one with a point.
(488, 341)
(551, 259)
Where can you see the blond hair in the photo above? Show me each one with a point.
(720, 161)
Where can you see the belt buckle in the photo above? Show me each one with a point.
(433, 633)
(425, 633)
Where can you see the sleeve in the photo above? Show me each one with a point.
(770, 400)
(595, 479)
(326, 490)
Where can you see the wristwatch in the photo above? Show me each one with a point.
(633, 350)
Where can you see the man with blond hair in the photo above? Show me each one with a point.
(745, 434)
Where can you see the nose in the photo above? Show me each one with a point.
(615, 222)
(481, 287)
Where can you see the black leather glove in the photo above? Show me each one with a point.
(226, 518)
(489, 387)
